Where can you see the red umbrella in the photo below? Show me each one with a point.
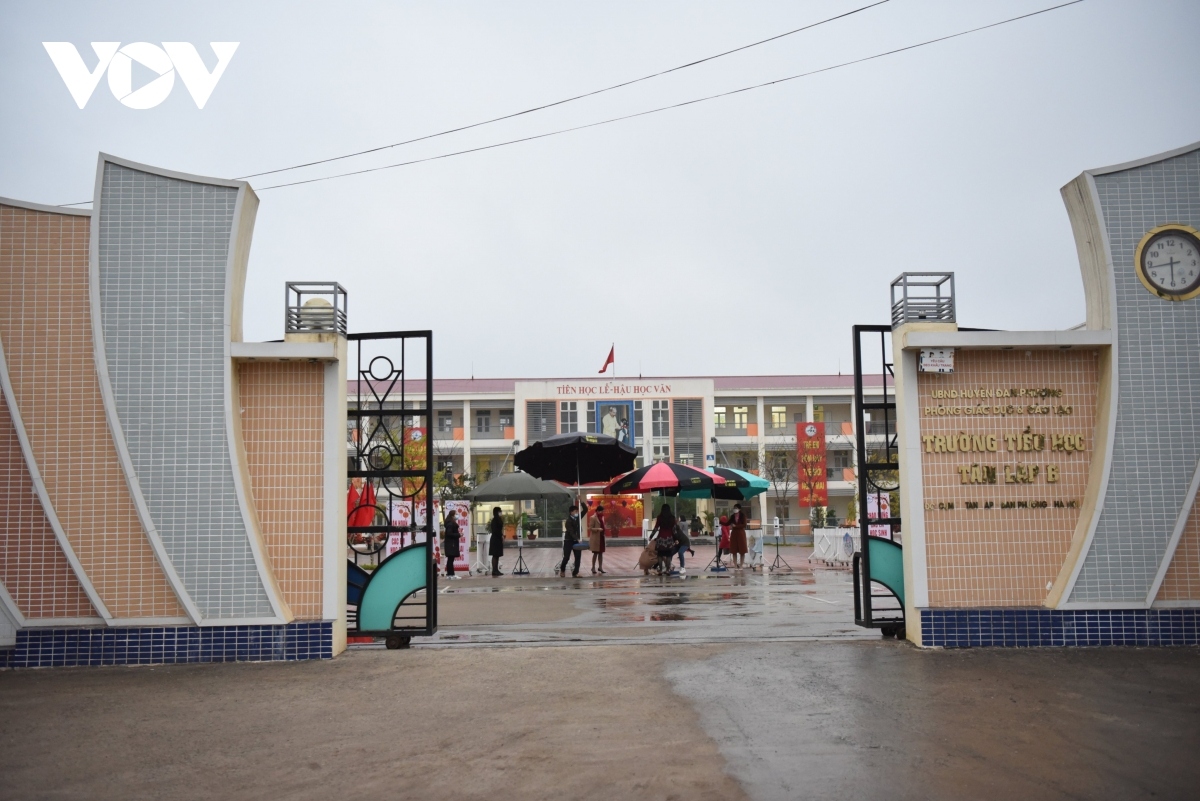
(666, 476)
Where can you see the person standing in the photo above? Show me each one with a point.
(663, 535)
(683, 545)
(665, 522)
(496, 542)
(596, 539)
(450, 544)
(723, 539)
(737, 536)
(570, 540)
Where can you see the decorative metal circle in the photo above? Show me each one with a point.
(380, 457)
(373, 370)
(884, 480)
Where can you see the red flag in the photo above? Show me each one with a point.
(611, 358)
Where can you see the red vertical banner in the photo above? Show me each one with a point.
(810, 461)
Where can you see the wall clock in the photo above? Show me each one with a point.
(1167, 261)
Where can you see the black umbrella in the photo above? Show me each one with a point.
(577, 458)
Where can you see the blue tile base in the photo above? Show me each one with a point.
(1009, 628)
(165, 645)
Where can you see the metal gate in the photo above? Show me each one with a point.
(878, 566)
(392, 575)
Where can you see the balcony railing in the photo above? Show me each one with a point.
(493, 432)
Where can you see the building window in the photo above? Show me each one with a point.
(591, 416)
(637, 421)
(483, 468)
(483, 421)
(778, 416)
(539, 417)
(746, 460)
(781, 510)
(841, 458)
(818, 414)
(445, 422)
(506, 418)
(719, 416)
(445, 464)
(741, 416)
(662, 453)
(660, 419)
(568, 416)
(799, 417)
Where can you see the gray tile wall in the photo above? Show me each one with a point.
(1157, 438)
(163, 245)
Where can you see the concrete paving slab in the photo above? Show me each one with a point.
(887, 720)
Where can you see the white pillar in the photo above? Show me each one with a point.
(466, 441)
(762, 456)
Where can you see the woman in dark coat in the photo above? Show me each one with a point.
(596, 539)
(450, 545)
(496, 543)
(737, 537)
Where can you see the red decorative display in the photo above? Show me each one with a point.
(810, 460)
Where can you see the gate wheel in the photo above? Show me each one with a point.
(397, 641)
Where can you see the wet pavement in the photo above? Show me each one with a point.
(807, 602)
(887, 720)
(541, 688)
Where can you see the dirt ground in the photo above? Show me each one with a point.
(484, 723)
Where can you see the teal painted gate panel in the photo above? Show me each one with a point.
(400, 575)
(887, 565)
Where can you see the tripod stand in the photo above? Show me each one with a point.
(521, 568)
(714, 564)
(779, 562)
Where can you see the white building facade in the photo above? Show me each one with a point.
(745, 422)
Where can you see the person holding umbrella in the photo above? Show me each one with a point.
(596, 539)
(496, 543)
(570, 540)
(737, 536)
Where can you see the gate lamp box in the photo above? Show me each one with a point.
(937, 360)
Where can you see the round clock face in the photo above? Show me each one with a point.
(1169, 262)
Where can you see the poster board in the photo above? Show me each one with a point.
(623, 514)
(462, 511)
(810, 465)
(401, 516)
(879, 504)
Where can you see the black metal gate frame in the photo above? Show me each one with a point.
(374, 406)
(864, 612)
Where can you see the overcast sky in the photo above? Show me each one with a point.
(741, 235)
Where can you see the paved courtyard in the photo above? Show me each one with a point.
(714, 686)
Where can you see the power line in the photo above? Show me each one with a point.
(640, 113)
(565, 100)
(673, 105)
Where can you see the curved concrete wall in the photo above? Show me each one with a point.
(48, 347)
(1156, 442)
(33, 568)
(164, 253)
